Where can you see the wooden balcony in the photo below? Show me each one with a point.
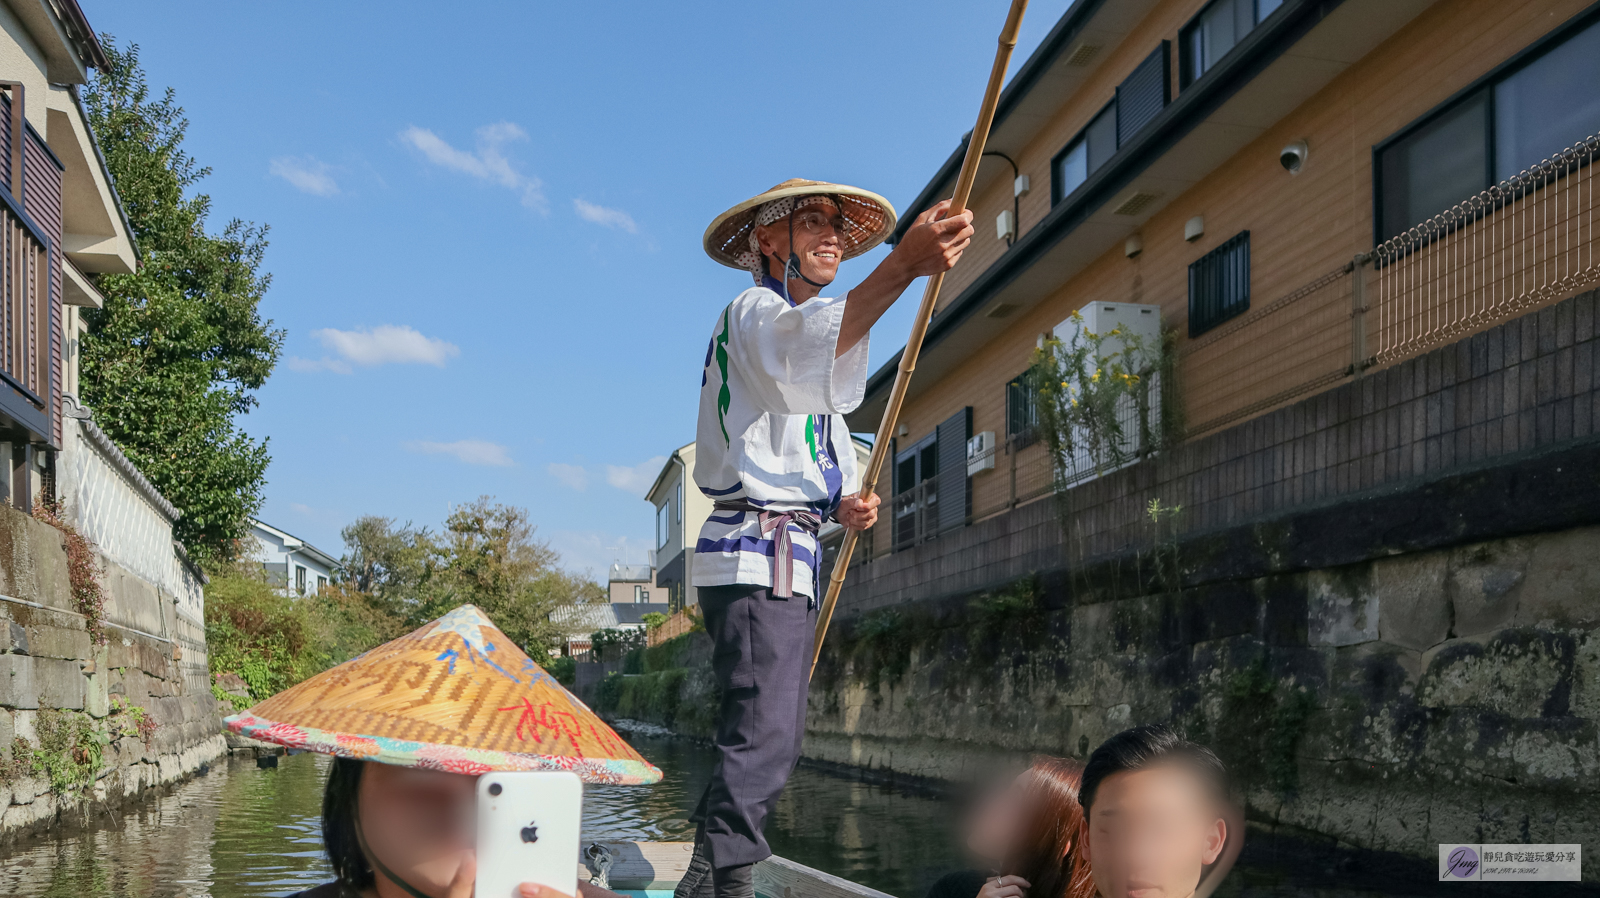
(30, 281)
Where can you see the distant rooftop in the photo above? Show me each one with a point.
(630, 573)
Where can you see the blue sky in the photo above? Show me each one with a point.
(486, 220)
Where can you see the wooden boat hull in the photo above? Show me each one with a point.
(653, 869)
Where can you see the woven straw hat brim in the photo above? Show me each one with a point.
(872, 219)
(455, 695)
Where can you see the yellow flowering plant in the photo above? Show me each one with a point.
(1096, 395)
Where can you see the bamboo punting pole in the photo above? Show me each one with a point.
(919, 326)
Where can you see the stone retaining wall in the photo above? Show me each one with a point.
(154, 657)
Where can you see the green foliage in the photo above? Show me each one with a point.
(564, 669)
(1092, 387)
(236, 702)
(1262, 723)
(653, 620)
(1164, 552)
(71, 750)
(16, 761)
(180, 347)
(486, 555)
(608, 693)
(881, 647)
(128, 719)
(615, 643)
(1014, 612)
(83, 570)
(266, 638)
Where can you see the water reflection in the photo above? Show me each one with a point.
(240, 832)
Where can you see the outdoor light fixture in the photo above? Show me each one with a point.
(1293, 156)
(1194, 228)
(1005, 225)
(1021, 186)
(1133, 246)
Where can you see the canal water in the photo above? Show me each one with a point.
(243, 832)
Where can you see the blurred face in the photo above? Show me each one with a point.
(1152, 832)
(417, 823)
(818, 240)
(996, 826)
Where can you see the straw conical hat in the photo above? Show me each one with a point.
(871, 219)
(454, 695)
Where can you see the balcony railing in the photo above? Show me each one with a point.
(916, 515)
(1522, 243)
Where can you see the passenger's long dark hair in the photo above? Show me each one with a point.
(339, 837)
(1051, 856)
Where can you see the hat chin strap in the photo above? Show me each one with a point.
(379, 866)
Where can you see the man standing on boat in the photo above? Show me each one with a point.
(774, 453)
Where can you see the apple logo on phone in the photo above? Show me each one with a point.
(530, 833)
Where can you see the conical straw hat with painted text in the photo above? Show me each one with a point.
(454, 695)
(869, 218)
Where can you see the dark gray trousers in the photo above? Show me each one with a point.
(762, 660)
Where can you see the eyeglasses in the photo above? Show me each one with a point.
(814, 222)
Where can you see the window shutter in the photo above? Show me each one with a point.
(1143, 95)
(952, 476)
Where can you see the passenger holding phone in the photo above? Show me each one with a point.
(458, 766)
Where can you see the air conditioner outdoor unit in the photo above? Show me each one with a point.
(980, 452)
(1136, 324)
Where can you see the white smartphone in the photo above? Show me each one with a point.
(528, 832)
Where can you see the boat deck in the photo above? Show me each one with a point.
(653, 869)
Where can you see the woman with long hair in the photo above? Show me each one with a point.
(1028, 836)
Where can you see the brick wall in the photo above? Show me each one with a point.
(1495, 397)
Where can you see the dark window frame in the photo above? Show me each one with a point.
(1199, 324)
(1026, 436)
(1185, 57)
(1484, 84)
(1056, 194)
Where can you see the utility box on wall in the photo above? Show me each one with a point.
(1142, 321)
(980, 453)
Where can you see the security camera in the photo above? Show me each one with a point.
(1293, 156)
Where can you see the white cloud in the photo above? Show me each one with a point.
(307, 174)
(600, 215)
(487, 163)
(383, 345)
(574, 476)
(636, 479)
(468, 452)
(311, 366)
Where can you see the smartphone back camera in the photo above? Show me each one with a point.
(494, 789)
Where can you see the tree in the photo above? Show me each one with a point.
(486, 555)
(180, 348)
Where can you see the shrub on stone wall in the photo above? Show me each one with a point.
(262, 636)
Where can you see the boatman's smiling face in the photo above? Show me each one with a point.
(818, 241)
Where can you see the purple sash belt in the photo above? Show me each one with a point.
(775, 525)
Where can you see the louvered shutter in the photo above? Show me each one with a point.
(1143, 95)
(954, 500)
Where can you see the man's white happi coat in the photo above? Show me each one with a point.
(772, 433)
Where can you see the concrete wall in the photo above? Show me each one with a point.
(1390, 704)
(154, 657)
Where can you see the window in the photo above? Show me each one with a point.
(322, 584)
(1209, 37)
(1219, 284)
(1532, 108)
(1022, 411)
(299, 579)
(641, 595)
(916, 464)
(1140, 97)
(680, 503)
(663, 523)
